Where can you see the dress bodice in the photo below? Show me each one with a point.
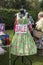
(23, 20)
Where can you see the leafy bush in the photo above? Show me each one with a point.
(8, 15)
(34, 14)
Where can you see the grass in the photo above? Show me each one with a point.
(4, 59)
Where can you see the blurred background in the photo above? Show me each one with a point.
(8, 8)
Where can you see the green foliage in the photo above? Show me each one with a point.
(8, 15)
(34, 14)
(41, 4)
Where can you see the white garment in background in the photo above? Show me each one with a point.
(2, 33)
(2, 51)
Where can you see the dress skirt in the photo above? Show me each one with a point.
(23, 44)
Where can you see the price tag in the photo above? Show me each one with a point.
(21, 28)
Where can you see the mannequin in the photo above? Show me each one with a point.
(22, 43)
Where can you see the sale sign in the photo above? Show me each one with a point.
(21, 28)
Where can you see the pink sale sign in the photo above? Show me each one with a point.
(21, 28)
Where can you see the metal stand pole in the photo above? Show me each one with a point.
(23, 61)
(9, 56)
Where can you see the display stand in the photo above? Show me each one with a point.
(23, 61)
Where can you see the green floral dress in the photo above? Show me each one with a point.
(23, 44)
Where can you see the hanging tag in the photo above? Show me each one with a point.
(21, 28)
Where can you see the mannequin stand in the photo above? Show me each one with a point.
(23, 61)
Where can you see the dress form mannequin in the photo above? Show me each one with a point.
(23, 43)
